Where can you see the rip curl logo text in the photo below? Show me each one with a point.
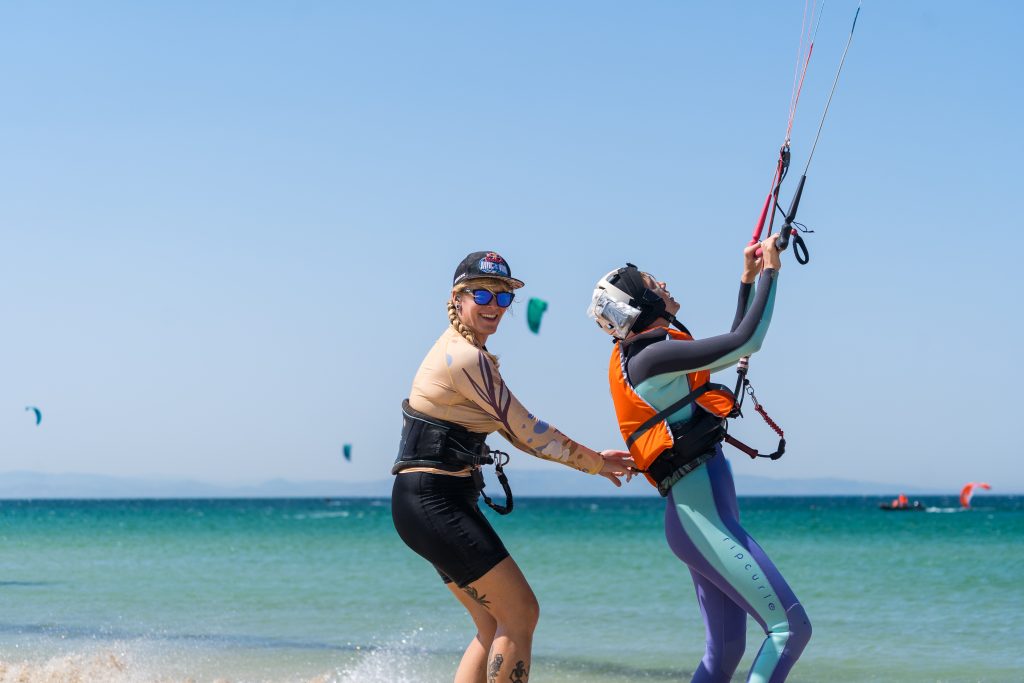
(739, 553)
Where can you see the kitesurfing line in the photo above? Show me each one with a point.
(787, 228)
(771, 201)
(743, 385)
(799, 85)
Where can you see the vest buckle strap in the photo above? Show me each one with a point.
(666, 483)
(695, 442)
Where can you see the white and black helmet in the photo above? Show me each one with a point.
(622, 302)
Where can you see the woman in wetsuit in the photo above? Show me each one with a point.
(673, 420)
(457, 398)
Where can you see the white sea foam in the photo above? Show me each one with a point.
(383, 666)
(324, 515)
(101, 666)
(119, 667)
(403, 661)
(144, 661)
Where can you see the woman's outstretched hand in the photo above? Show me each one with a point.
(617, 464)
(751, 263)
(759, 256)
(770, 253)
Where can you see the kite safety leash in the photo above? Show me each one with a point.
(501, 459)
(745, 388)
(749, 388)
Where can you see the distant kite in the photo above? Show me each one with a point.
(534, 312)
(346, 451)
(968, 492)
(39, 413)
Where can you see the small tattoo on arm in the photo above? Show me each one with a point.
(494, 668)
(477, 598)
(520, 674)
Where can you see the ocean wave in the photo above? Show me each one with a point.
(324, 515)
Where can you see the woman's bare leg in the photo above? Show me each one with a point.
(473, 667)
(506, 596)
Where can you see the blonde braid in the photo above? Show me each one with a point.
(453, 319)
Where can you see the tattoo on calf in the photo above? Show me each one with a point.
(494, 668)
(520, 674)
(479, 599)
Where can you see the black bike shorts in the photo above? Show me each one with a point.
(437, 516)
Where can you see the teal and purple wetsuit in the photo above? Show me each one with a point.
(733, 576)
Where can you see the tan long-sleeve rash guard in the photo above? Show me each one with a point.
(459, 383)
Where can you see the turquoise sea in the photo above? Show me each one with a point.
(323, 590)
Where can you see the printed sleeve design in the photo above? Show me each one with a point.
(482, 384)
(490, 390)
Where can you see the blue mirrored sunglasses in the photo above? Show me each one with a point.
(482, 297)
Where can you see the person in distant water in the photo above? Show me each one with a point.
(458, 397)
(673, 420)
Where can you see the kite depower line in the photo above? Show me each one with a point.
(791, 229)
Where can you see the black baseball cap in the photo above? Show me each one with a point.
(485, 264)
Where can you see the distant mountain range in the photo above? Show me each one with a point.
(524, 483)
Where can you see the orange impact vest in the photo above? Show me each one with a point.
(633, 411)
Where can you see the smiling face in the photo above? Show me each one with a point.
(482, 319)
(659, 288)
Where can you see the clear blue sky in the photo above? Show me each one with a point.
(228, 229)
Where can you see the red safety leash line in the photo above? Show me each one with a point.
(770, 421)
(799, 58)
(798, 86)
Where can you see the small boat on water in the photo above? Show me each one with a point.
(901, 504)
(916, 506)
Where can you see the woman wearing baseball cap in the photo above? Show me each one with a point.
(458, 397)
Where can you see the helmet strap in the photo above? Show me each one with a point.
(676, 324)
(652, 307)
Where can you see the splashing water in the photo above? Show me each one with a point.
(384, 666)
(399, 661)
(97, 667)
(404, 661)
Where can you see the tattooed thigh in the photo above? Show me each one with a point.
(477, 597)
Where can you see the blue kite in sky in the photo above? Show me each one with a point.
(534, 312)
(39, 413)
